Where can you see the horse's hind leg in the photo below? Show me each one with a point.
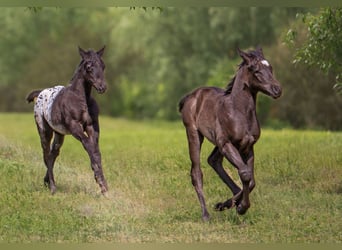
(51, 158)
(195, 140)
(215, 160)
(46, 134)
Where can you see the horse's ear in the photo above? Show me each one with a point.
(259, 49)
(244, 56)
(100, 52)
(82, 52)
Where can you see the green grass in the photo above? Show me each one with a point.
(298, 196)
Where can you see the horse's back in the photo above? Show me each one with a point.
(199, 95)
(200, 106)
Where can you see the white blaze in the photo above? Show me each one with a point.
(264, 62)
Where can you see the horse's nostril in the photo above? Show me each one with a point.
(276, 90)
(102, 89)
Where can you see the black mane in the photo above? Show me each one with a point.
(252, 54)
(230, 85)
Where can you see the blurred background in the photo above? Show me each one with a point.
(155, 56)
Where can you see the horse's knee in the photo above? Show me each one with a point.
(246, 175)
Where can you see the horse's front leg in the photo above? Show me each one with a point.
(215, 160)
(95, 158)
(90, 144)
(94, 131)
(245, 173)
(248, 184)
(250, 164)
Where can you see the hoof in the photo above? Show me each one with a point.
(104, 187)
(104, 191)
(206, 217)
(53, 189)
(241, 210)
(105, 195)
(102, 183)
(225, 205)
(46, 182)
(219, 206)
(50, 186)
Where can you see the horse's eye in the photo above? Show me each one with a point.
(258, 75)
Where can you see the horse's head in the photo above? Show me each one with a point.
(93, 68)
(260, 73)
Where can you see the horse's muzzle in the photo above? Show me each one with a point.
(100, 88)
(276, 91)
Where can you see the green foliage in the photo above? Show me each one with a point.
(308, 100)
(35, 9)
(322, 48)
(154, 57)
(146, 8)
(151, 47)
(297, 198)
(38, 51)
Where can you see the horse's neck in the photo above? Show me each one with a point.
(81, 88)
(241, 92)
(242, 98)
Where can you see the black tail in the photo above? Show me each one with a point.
(30, 97)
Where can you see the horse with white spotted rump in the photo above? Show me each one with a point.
(60, 111)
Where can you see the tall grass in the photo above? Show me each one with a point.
(298, 197)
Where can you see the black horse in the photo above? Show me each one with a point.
(228, 119)
(60, 110)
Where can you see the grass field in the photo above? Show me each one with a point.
(298, 194)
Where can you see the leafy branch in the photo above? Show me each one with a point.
(323, 45)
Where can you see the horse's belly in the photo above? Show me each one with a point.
(60, 129)
(43, 108)
(207, 132)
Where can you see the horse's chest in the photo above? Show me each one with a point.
(43, 108)
(241, 132)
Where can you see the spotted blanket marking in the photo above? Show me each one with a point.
(43, 108)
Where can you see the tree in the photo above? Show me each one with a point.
(188, 45)
(323, 45)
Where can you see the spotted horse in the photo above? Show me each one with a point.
(65, 110)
